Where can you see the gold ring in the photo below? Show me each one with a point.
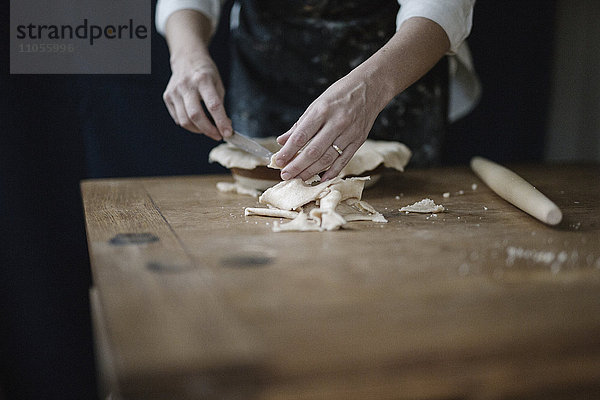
(336, 148)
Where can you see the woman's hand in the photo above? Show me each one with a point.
(343, 115)
(195, 78)
(339, 119)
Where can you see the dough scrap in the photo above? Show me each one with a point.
(272, 163)
(228, 187)
(292, 194)
(366, 212)
(376, 152)
(270, 212)
(325, 206)
(425, 206)
(300, 223)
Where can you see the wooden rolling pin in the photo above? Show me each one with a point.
(516, 190)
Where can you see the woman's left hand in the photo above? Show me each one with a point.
(339, 119)
(343, 115)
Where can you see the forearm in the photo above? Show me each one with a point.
(414, 49)
(188, 33)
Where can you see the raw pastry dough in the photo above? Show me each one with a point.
(300, 223)
(424, 206)
(230, 156)
(314, 205)
(270, 212)
(325, 206)
(292, 194)
(367, 158)
(228, 187)
(374, 153)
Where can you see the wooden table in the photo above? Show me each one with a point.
(193, 300)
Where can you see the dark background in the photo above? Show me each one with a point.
(56, 130)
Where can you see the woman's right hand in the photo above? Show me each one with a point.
(195, 78)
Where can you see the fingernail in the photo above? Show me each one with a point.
(285, 175)
(279, 161)
(226, 132)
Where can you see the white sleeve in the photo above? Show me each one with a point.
(164, 9)
(454, 16)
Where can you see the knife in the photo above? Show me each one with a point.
(249, 146)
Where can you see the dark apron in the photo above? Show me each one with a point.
(285, 53)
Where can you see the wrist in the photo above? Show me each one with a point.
(381, 89)
(189, 56)
(188, 34)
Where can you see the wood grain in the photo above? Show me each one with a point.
(481, 301)
(156, 305)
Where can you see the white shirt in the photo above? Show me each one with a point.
(454, 16)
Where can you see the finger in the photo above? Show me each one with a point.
(306, 128)
(324, 162)
(341, 161)
(182, 117)
(214, 105)
(170, 107)
(281, 139)
(315, 155)
(197, 118)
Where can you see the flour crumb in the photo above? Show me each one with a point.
(474, 186)
(446, 195)
(425, 206)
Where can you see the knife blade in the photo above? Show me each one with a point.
(249, 146)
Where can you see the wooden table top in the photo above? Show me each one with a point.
(482, 301)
